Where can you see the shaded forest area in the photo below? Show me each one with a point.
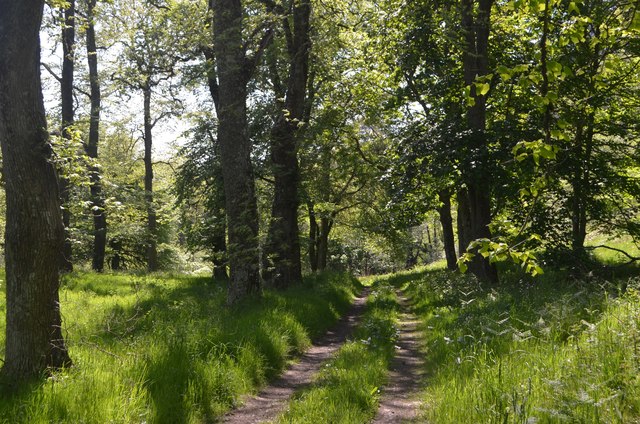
(265, 143)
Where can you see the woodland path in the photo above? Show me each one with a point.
(272, 400)
(400, 402)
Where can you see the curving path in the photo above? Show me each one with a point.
(272, 400)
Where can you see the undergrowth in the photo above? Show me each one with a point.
(347, 388)
(164, 349)
(529, 351)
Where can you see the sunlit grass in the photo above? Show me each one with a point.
(347, 388)
(547, 350)
(164, 349)
(608, 256)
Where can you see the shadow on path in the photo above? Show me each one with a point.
(267, 404)
(400, 402)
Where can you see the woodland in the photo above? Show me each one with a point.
(195, 191)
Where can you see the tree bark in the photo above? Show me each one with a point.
(579, 183)
(318, 240)
(91, 148)
(219, 246)
(283, 248)
(463, 221)
(313, 238)
(235, 146)
(116, 259)
(34, 232)
(323, 242)
(478, 181)
(444, 211)
(66, 95)
(152, 225)
(219, 261)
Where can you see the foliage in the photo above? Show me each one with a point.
(199, 190)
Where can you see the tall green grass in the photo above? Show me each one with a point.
(165, 349)
(347, 388)
(547, 350)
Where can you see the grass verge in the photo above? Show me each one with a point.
(164, 349)
(549, 350)
(347, 388)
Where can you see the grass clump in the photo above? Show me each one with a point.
(165, 349)
(347, 388)
(549, 350)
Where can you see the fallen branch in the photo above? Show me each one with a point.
(602, 246)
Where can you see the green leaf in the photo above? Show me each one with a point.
(554, 67)
(635, 24)
(462, 266)
(504, 72)
(573, 7)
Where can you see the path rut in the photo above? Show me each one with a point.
(400, 402)
(272, 400)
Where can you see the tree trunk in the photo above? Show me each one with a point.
(463, 221)
(66, 89)
(219, 238)
(283, 248)
(235, 147)
(152, 225)
(323, 242)
(34, 233)
(480, 220)
(116, 259)
(478, 181)
(579, 183)
(219, 260)
(91, 148)
(313, 238)
(447, 229)
(435, 229)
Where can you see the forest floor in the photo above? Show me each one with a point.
(399, 401)
(266, 405)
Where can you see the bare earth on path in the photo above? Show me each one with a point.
(267, 404)
(400, 402)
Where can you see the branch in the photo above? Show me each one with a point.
(212, 80)
(169, 164)
(602, 246)
(59, 79)
(161, 117)
(265, 179)
(252, 61)
(344, 208)
(416, 93)
(81, 91)
(53, 74)
(338, 198)
(158, 6)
